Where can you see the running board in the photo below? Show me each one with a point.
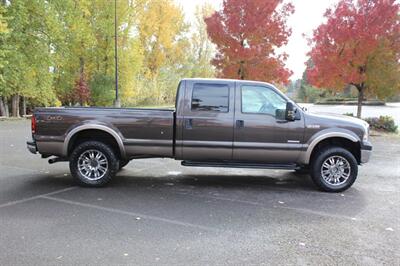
(240, 165)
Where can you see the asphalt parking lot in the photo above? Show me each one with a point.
(158, 212)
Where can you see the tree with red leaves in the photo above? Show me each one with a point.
(247, 34)
(81, 90)
(358, 45)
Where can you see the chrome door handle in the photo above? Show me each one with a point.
(239, 123)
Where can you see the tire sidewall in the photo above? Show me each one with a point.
(319, 160)
(93, 145)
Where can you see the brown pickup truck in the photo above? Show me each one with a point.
(215, 123)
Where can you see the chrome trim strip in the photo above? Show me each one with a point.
(148, 142)
(206, 144)
(267, 146)
(241, 145)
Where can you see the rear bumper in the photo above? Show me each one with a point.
(31, 145)
(366, 151)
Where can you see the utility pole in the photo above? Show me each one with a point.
(117, 102)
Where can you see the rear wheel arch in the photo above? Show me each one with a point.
(99, 133)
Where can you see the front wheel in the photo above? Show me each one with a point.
(93, 163)
(334, 169)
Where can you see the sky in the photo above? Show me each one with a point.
(308, 15)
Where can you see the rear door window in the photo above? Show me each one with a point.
(210, 97)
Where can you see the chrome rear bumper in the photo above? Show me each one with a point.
(31, 145)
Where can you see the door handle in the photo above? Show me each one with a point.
(189, 123)
(239, 123)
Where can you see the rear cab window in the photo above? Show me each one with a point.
(210, 97)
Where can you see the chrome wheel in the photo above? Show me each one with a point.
(335, 170)
(92, 164)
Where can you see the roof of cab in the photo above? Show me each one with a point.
(229, 80)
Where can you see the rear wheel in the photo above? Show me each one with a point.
(334, 169)
(93, 163)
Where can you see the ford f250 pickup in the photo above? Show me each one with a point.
(215, 123)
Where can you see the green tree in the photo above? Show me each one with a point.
(4, 31)
(202, 49)
(161, 31)
(29, 57)
(102, 90)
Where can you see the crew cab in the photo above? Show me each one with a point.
(215, 123)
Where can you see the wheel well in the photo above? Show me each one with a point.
(94, 134)
(353, 147)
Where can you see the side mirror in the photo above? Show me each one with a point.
(280, 114)
(290, 114)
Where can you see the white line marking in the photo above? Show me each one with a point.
(11, 203)
(133, 214)
(20, 168)
(262, 205)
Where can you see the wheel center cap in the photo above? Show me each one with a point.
(94, 163)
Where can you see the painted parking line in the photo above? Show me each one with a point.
(11, 203)
(265, 206)
(132, 214)
(19, 168)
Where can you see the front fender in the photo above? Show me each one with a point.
(308, 148)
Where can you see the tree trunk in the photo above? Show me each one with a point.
(241, 70)
(23, 106)
(2, 107)
(360, 89)
(5, 101)
(15, 105)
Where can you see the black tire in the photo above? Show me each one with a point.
(82, 150)
(316, 169)
(123, 163)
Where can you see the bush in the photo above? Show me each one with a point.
(385, 123)
(349, 114)
(102, 90)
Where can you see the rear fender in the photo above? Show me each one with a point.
(97, 126)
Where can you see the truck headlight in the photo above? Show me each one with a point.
(366, 134)
(365, 137)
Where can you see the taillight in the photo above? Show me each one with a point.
(33, 124)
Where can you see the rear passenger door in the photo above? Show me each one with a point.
(208, 120)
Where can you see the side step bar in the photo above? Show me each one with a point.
(240, 165)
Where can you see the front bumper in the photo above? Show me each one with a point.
(31, 145)
(366, 151)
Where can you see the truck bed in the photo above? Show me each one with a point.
(143, 131)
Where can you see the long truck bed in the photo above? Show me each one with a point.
(140, 132)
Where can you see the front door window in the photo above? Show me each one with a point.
(262, 100)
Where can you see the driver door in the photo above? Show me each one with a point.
(261, 134)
